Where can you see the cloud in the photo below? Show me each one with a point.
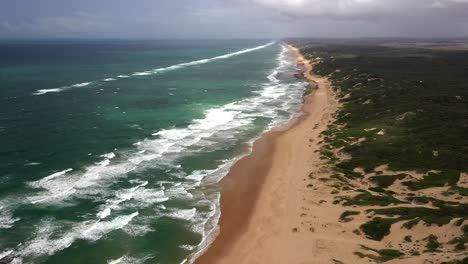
(239, 19)
(366, 9)
(78, 23)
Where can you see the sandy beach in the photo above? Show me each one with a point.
(274, 207)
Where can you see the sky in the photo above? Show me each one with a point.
(173, 19)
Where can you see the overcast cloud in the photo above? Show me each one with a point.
(367, 9)
(232, 18)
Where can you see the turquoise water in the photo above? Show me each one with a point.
(111, 151)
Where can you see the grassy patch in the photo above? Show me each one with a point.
(435, 180)
(439, 216)
(367, 198)
(383, 255)
(432, 244)
(460, 242)
(345, 216)
(417, 96)
(377, 228)
(384, 181)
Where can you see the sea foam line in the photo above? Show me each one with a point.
(154, 71)
(60, 89)
(220, 125)
(46, 241)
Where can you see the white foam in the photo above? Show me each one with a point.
(187, 247)
(6, 219)
(57, 90)
(17, 261)
(128, 260)
(173, 67)
(204, 61)
(109, 79)
(183, 214)
(116, 261)
(142, 73)
(173, 134)
(147, 197)
(109, 155)
(242, 51)
(59, 187)
(126, 194)
(49, 239)
(211, 225)
(81, 84)
(101, 228)
(123, 76)
(55, 175)
(211, 175)
(32, 164)
(272, 77)
(214, 117)
(104, 213)
(5, 254)
(44, 91)
(140, 196)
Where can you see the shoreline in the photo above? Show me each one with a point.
(243, 188)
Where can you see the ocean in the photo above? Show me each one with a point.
(111, 150)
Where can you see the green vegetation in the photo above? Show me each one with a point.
(432, 243)
(402, 107)
(377, 228)
(367, 198)
(435, 180)
(384, 181)
(383, 254)
(417, 96)
(439, 216)
(426, 200)
(326, 154)
(345, 216)
(462, 240)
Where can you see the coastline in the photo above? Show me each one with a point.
(259, 192)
